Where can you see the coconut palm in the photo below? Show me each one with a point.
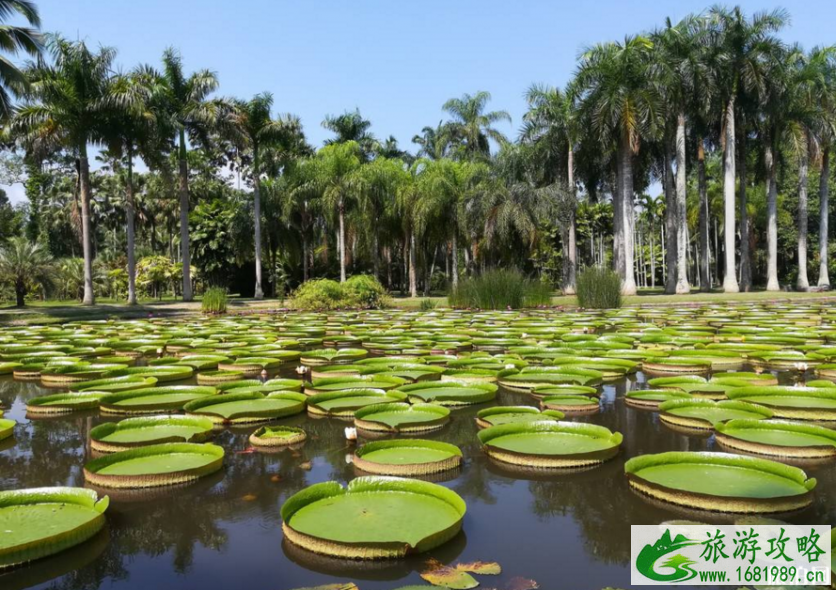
(743, 45)
(549, 125)
(251, 126)
(133, 128)
(66, 107)
(433, 142)
(351, 126)
(380, 181)
(13, 40)
(472, 128)
(25, 264)
(623, 108)
(189, 113)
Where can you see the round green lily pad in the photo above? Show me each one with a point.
(39, 522)
(401, 417)
(112, 437)
(571, 404)
(550, 444)
(355, 382)
(343, 404)
(720, 482)
(234, 407)
(7, 427)
(115, 384)
(512, 414)
(542, 391)
(450, 393)
(277, 436)
(155, 465)
(706, 414)
(531, 377)
(796, 403)
(651, 398)
(154, 399)
(407, 457)
(64, 403)
(372, 518)
(332, 356)
(777, 438)
(218, 376)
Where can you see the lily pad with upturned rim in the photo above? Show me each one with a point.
(115, 384)
(372, 518)
(706, 414)
(234, 408)
(407, 457)
(343, 404)
(514, 414)
(571, 404)
(154, 399)
(401, 417)
(542, 391)
(112, 437)
(64, 403)
(450, 393)
(356, 382)
(550, 444)
(155, 465)
(721, 482)
(795, 403)
(277, 436)
(651, 398)
(7, 427)
(43, 521)
(778, 438)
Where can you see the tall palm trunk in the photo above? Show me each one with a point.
(729, 280)
(259, 292)
(652, 256)
(628, 284)
(130, 221)
(376, 249)
(413, 271)
(454, 280)
(705, 262)
(185, 254)
(570, 258)
(824, 212)
(745, 249)
(341, 239)
(86, 233)
(682, 285)
(671, 225)
(771, 219)
(803, 160)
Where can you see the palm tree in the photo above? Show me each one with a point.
(611, 86)
(251, 126)
(472, 128)
(25, 264)
(134, 127)
(351, 126)
(743, 45)
(380, 181)
(66, 107)
(189, 112)
(14, 40)
(550, 126)
(433, 142)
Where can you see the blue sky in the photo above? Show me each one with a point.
(397, 61)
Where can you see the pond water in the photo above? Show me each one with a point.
(564, 530)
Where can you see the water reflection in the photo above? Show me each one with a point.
(225, 531)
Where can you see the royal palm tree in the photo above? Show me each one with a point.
(433, 142)
(25, 264)
(549, 125)
(743, 45)
(380, 181)
(14, 39)
(189, 113)
(612, 87)
(66, 107)
(351, 126)
(472, 128)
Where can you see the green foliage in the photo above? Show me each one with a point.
(214, 301)
(153, 273)
(25, 266)
(598, 288)
(427, 305)
(216, 227)
(362, 291)
(500, 289)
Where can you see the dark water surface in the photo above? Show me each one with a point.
(564, 530)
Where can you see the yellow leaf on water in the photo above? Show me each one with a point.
(306, 465)
(488, 568)
(519, 583)
(347, 586)
(449, 577)
(249, 497)
(276, 478)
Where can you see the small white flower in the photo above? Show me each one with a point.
(350, 433)
(510, 366)
(349, 458)
(301, 370)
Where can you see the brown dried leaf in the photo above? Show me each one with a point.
(519, 583)
(488, 568)
(276, 478)
(249, 497)
(449, 577)
(307, 465)
(346, 586)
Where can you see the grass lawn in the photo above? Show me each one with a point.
(48, 312)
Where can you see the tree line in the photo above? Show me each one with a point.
(733, 123)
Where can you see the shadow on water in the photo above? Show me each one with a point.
(563, 529)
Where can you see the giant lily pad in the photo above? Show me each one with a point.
(512, 414)
(530, 377)
(7, 427)
(40, 522)
(550, 444)
(115, 384)
(154, 399)
(64, 403)
(450, 393)
(651, 398)
(247, 407)
(407, 457)
(799, 403)
(706, 414)
(155, 465)
(277, 436)
(401, 417)
(332, 356)
(343, 404)
(778, 438)
(720, 482)
(111, 437)
(571, 404)
(372, 518)
(329, 384)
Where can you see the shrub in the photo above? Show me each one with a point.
(598, 288)
(214, 301)
(359, 291)
(365, 291)
(427, 304)
(500, 289)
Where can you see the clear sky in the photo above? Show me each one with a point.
(397, 61)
